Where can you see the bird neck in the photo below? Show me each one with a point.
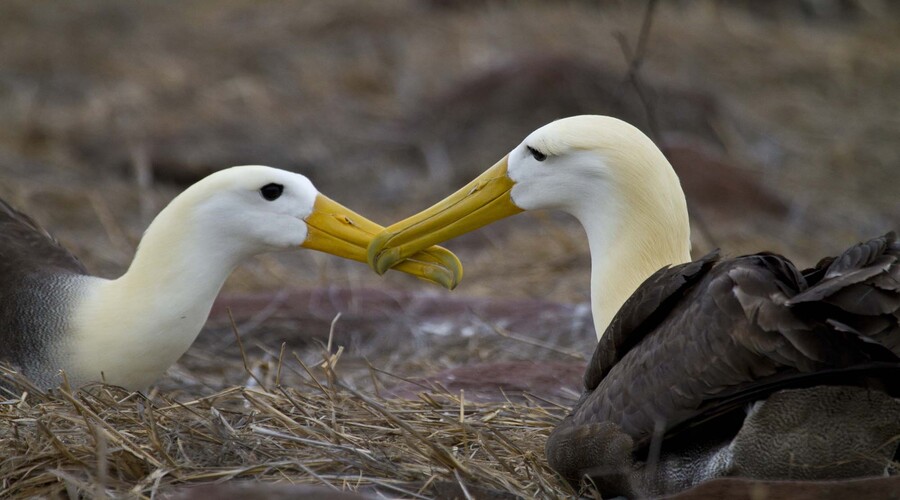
(147, 318)
(619, 267)
(176, 270)
(646, 229)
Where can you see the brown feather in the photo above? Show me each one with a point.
(25, 246)
(703, 339)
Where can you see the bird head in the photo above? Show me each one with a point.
(605, 172)
(248, 210)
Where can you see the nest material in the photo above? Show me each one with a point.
(104, 441)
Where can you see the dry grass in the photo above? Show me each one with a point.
(93, 92)
(311, 412)
(107, 442)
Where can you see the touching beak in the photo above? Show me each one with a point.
(335, 229)
(482, 201)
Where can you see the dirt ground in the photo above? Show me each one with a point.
(785, 117)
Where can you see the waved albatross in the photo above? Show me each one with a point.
(676, 366)
(128, 331)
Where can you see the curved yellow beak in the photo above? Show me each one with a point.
(335, 229)
(480, 202)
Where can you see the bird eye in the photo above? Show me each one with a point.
(536, 154)
(271, 192)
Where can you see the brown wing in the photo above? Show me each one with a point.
(731, 331)
(25, 246)
(642, 312)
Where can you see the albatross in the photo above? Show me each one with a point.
(743, 366)
(55, 317)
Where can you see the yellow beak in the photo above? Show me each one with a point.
(335, 229)
(482, 201)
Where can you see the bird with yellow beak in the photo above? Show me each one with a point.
(703, 369)
(127, 331)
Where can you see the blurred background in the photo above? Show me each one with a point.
(782, 117)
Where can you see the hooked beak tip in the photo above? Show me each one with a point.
(381, 260)
(386, 260)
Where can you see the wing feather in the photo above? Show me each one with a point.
(700, 340)
(26, 246)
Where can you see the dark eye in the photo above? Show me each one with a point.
(271, 192)
(537, 154)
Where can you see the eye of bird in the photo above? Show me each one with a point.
(271, 191)
(536, 154)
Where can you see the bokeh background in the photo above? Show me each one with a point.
(782, 118)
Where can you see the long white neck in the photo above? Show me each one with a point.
(131, 329)
(643, 227)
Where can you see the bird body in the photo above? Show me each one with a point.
(684, 347)
(751, 320)
(129, 330)
(696, 344)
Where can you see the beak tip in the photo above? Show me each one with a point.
(456, 272)
(451, 273)
(378, 261)
(446, 278)
(384, 262)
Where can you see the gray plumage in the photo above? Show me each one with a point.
(667, 389)
(37, 275)
(806, 426)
